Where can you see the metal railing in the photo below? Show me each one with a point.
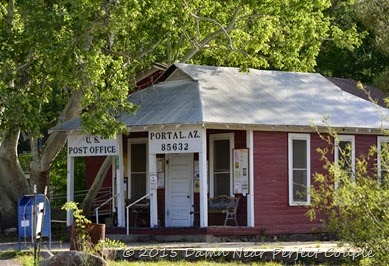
(129, 206)
(105, 202)
(57, 200)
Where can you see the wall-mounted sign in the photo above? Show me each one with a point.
(153, 180)
(161, 172)
(88, 145)
(241, 168)
(175, 141)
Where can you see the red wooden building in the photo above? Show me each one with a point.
(204, 131)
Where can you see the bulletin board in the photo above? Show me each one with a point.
(241, 171)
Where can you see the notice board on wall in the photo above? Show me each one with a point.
(241, 171)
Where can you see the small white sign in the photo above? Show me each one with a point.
(25, 223)
(153, 180)
(88, 145)
(175, 141)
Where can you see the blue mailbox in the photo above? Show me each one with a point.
(27, 220)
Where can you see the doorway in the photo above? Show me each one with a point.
(179, 190)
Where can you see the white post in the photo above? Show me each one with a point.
(120, 183)
(250, 196)
(70, 188)
(203, 180)
(113, 182)
(153, 190)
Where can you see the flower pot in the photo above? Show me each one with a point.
(94, 233)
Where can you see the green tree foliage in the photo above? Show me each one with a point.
(365, 63)
(375, 16)
(368, 63)
(50, 48)
(357, 208)
(58, 171)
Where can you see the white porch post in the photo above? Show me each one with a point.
(153, 190)
(203, 180)
(70, 188)
(250, 196)
(120, 183)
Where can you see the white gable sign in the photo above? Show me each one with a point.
(88, 145)
(175, 141)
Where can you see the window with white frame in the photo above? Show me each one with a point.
(221, 146)
(345, 155)
(137, 160)
(383, 159)
(299, 158)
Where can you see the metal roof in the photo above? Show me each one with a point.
(175, 102)
(262, 97)
(224, 95)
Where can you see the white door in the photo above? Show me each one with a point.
(179, 191)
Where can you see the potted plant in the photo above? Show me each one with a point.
(85, 235)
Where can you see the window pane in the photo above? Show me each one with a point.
(345, 150)
(300, 185)
(138, 186)
(344, 155)
(222, 155)
(138, 158)
(299, 153)
(138, 170)
(222, 184)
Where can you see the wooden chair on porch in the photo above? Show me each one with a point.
(231, 212)
(224, 204)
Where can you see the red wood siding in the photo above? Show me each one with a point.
(92, 167)
(273, 215)
(272, 211)
(363, 144)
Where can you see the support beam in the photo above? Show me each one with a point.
(153, 190)
(70, 188)
(113, 182)
(203, 180)
(250, 196)
(120, 183)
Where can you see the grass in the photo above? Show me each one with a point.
(23, 258)
(28, 260)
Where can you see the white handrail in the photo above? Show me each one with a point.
(105, 202)
(130, 205)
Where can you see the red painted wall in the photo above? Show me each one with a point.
(93, 164)
(272, 211)
(273, 215)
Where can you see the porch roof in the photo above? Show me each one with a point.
(192, 94)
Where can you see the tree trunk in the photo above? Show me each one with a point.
(43, 157)
(39, 177)
(13, 183)
(94, 189)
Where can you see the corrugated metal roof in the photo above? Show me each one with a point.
(224, 95)
(175, 102)
(263, 97)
